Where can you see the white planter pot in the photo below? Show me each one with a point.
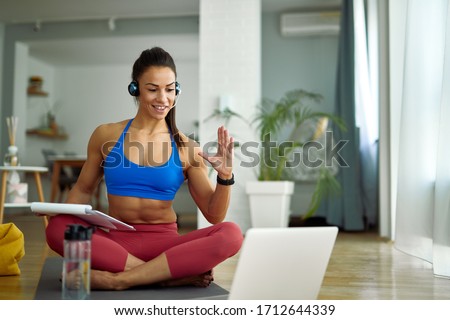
(270, 202)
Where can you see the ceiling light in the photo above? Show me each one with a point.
(112, 24)
(37, 26)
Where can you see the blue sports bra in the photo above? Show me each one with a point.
(126, 178)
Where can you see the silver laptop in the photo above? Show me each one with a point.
(282, 263)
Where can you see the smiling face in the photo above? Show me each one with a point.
(157, 91)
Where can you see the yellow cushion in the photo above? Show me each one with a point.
(11, 249)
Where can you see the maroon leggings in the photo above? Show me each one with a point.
(190, 254)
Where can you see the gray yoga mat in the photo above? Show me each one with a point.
(49, 288)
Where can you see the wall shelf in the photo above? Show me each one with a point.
(37, 93)
(47, 133)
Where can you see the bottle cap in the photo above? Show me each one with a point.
(78, 232)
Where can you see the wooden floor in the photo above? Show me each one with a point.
(362, 267)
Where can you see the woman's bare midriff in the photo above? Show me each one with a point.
(139, 210)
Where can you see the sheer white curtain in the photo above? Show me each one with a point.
(423, 190)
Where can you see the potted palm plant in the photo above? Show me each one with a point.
(292, 117)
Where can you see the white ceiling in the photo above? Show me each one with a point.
(111, 51)
(85, 51)
(21, 11)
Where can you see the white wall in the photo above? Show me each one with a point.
(230, 51)
(397, 27)
(385, 185)
(36, 109)
(90, 96)
(20, 97)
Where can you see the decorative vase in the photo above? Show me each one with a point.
(270, 203)
(12, 158)
(51, 122)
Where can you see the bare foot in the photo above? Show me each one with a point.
(104, 280)
(201, 281)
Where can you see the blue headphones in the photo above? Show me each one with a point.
(133, 88)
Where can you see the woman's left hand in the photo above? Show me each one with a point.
(222, 161)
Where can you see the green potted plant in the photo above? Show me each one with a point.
(292, 117)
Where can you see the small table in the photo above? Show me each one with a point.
(5, 170)
(60, 161)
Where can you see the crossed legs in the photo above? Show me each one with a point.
(174, 260)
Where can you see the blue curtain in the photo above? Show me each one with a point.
(346, 210)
